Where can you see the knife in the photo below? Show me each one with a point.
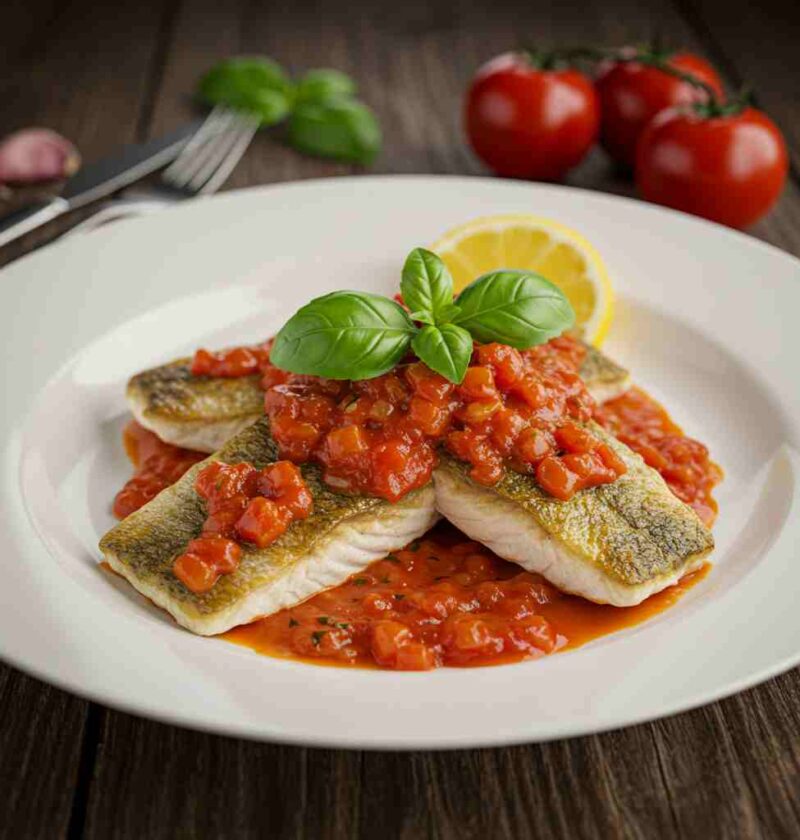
(98, 180)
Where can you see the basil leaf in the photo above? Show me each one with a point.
(514, 307)
(344, 335)
(322, 85)
(258, 85)
(447, 314)
(422, 316)
(426, 284)
(340, 128)
(446, 349)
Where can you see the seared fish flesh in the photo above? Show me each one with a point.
(343, 534)
(613, 544)
(201, 412)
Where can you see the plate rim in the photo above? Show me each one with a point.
(256, 732)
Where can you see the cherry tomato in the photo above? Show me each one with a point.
(525, 121)
(631, 93)
(729, 168)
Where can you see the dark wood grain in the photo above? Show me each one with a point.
(41, 739)
(106, 75)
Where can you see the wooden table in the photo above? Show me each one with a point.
(105, 74)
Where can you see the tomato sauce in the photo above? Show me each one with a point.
(244, 505)
(643, 424)
(443, 601)
(517, 409)
(158, 465)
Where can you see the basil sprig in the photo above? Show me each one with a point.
(355, 335)
(323, 115)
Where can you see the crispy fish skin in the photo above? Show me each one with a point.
(604, 378)
(343, 535)
(197, 412)
(614, 544)
(201, 412)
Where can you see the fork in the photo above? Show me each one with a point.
(201, 168)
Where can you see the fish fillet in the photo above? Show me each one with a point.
(343, 535)
(613, 544)
(201, 412)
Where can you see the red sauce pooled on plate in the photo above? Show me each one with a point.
(158, 465)
(444, 600)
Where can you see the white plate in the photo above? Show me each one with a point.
(707, 321)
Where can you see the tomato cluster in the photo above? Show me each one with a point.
(664, 115)
(243, 504)
(237, 361)
(379, 436)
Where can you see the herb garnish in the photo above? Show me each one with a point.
(324, 116)
(398, 596)
(323, 619)
(360, 581)
(355, 335)
(293, 623)
(316, 637)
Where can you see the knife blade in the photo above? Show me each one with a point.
(99, 179)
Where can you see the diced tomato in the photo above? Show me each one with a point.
(346, 441)
(218, 482)
(430, 418)
(381, 410)
(272, 376)
(506, 363)
(222, 519)
(415, 656)
(296, 439)
(240, 361)
(589, 468)
(554, 478)
(389, 387)
(220, 553)
(262, 522)
(284, 483)
(480, 411)
(427, 383)
(507, 425)
(536, 631)
(573, 438)
(611, 459)
(534, 444)
(195, 573)
(387, 639)
(531, 390)
(478, 384)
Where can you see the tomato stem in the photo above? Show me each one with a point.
(653, 55)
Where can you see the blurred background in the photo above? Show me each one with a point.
(104, 74)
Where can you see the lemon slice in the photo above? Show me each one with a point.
(532, 243)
